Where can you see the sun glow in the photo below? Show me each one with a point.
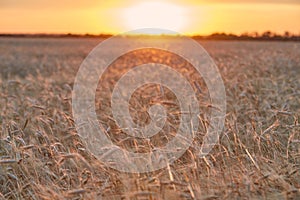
(155, 15)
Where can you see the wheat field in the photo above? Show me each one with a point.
(42, 155)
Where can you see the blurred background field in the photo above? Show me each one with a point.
(42, 156)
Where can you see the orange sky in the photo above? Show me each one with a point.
(114, 16)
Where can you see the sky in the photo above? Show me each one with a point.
(116, 16)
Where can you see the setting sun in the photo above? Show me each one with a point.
(155, 15)
(189, 17)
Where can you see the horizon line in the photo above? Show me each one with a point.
(249, 33)
(265, 36)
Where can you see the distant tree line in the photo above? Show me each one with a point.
(267, 35)
(46, 35)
